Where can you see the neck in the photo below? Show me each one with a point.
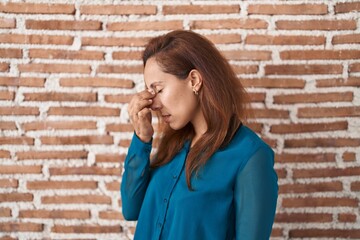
(200, 127)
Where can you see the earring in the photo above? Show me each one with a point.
(195, 92)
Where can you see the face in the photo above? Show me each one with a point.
(174, 99)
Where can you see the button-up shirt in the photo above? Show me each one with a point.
(234, 194)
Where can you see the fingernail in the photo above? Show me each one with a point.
(151, 91)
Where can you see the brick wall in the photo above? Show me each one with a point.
(67, 71)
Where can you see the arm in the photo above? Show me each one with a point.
(135, 178)
(256, 192)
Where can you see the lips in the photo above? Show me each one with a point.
(166, 117)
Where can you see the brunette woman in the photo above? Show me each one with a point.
(211, 177)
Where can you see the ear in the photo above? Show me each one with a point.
(195, 79)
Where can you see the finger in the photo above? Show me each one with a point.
(139, 105)
(144, 114)
(146, 94)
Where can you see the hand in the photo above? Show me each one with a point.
(140, 114)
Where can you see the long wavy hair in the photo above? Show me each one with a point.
(222, 98)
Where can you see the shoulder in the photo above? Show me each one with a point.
(245, 144)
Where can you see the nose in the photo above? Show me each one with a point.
(156, 104)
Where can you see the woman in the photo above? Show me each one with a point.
(212, 177)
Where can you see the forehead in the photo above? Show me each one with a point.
(153, 75)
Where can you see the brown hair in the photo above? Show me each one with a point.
(222, 98)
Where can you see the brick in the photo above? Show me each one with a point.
(303, 158)
(319, 202)
(327, 233)
(60, 125)
(7, 238)
(324, 25)
(284, 40)
(5, 212)
(326, 172)
(126, 143)
(36, 39)
(200, 9)
(4, 67)
(21, 227)
(127, 55)
(46, 185)
(349, 156)
(311, 187)
(257, 97)
(60, 97)
(314, 97)
(32, 155)
(118, 98)
(347, 7)
(70, 199)
(346, 39)
(120, 69)
(118, 9)
(113, 186)
(84, 111)
(257, 127)
(111, 215)
(303, 217)
(355, 186)
(94, 229)
(322, 142)
(18, 169)
(16, 197)
(6, 95)
(97, 82)
(65, 54)
(77, 140)
(63, 25)
(245, 69)
(347, 217)
(9, 183)
(7, 126)
(11, 53)
(271, 113)
(55, 214)
(319, 54)
(321, 112)
(354, 67)
(276, 232)
(114, 41)
(32, 8)
(107, 158)
(145, 25)
(19, 111)
(247, 55)
(120, 127)
(54, 68)
(84, 171)
(308, 127)
(338, 82)
(229, 24)
(288, 9)
(4, 153)
(281, 173)
(22, 81)
(224, 38)
(273, 82)
(300, 69)
(7, 22)
(16, 141)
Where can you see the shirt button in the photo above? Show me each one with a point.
(165, 200)
(174, 176)
(159, 225)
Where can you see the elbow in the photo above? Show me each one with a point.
(130, 215)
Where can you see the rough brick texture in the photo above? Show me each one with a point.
(68, 69)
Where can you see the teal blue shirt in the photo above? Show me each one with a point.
(234, 195)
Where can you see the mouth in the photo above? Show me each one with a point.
(166, 117)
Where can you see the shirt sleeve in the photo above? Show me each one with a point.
(256, 193)
(135, 178)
